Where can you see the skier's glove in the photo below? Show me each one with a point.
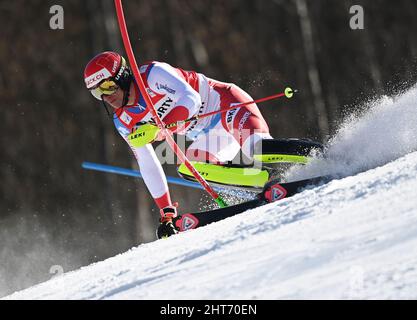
(146, 133)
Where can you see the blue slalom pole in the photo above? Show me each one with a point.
(136, 174)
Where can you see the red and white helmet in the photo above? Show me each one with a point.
(107, 65)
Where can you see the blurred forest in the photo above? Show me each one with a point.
(54, 213)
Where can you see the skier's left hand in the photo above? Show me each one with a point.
(146, 133)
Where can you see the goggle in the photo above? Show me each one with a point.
(107, 88)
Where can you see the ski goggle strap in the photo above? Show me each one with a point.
(107, 88)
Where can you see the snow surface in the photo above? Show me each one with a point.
(353, 238)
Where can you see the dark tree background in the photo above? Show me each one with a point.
(54, 213)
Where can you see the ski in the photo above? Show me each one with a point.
(280, 153)
(273, 191)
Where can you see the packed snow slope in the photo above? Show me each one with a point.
(352, 238)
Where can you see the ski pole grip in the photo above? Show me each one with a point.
(289, 92)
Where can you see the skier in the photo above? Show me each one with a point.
(177, 95)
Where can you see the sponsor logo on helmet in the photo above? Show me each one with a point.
(121, 70)
(114, 67)
(119, 74)
(96, 78)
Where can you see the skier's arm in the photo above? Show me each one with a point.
(164, 79)
(152, 173)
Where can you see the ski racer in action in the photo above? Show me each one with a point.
(177, 95)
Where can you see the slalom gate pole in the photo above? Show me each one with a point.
(287, 93)
(170, 140)
(137, 174)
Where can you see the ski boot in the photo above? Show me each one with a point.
(166, 228)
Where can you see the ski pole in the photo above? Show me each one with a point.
(148, 132)
(288, 92)
(181, 156)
